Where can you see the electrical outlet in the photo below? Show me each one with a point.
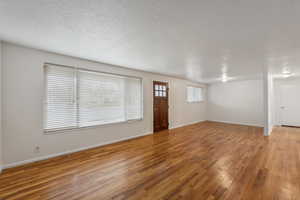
(37, 149)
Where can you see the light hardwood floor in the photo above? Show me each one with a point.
(202, 161)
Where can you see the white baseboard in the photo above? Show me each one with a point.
(237, 123)
(268, 131)
(15, 164)
(181, 125)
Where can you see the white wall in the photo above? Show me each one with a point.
(0, 106)
(238, 102)
(23, 107)
(269, 97)
(184, 112)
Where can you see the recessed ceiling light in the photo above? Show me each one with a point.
(286, 70)
(287, 75)
(224, 78)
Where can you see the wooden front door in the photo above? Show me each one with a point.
(160, 106)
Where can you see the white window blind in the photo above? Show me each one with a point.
(133, 88)
(60, 102)
(79, 98)
(194, 94)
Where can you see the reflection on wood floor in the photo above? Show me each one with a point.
(203, 161)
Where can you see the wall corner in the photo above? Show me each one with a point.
(1, 129)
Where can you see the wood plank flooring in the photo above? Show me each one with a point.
(203, 161)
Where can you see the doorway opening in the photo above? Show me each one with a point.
(289, 107)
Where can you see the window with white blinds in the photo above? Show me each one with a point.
(80, 98)
(194, 94)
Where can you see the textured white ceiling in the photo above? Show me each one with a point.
(194, 39)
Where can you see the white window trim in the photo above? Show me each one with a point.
(192, 102)
(64, 129)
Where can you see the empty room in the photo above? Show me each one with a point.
(147, 99)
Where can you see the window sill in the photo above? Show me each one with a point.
(193, 102)
(65, 130)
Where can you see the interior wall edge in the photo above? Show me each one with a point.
(1, 128)
(101, 63)
(190, 123)
(236, 123)
(257, 78)
(19, 163)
